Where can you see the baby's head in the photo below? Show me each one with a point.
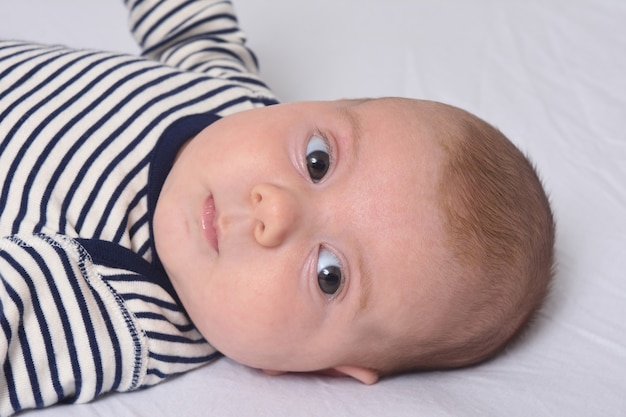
(358, 237)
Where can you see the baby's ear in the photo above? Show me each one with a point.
(365, 375)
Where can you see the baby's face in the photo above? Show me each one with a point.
(302, 236)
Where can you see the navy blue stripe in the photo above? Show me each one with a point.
(154, 316)
(4, 323)
(7, 45)
(216, 50)
(143, 249)
(161, 374)
(115, 344)
(158, 23)
(138, 22)
(117, 194)
(247, 80)
(27, 354)
(8, 89)
(205, 34)
(211, 66)
(184, 23)
(158, 373)
(20, 51)
(266, 101)
(181, 34)
(8, 368)
(10, 380)
(233, 102)
(210, 40)
(183, 359)
(143, 221)
(152, 300)
(28, 75)
(124, 225)
(134, 6)
(174, 338)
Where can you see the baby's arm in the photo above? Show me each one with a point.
(61, 337)
(67, 335)
(193, 35)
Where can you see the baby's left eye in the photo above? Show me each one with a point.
(329, 276)
(317, 158)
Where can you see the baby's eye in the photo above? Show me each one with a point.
(329, 276)
(317, 158)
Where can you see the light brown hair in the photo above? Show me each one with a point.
(500, 231)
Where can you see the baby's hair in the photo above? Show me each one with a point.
(500, 233)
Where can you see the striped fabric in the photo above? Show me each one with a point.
(86, 140)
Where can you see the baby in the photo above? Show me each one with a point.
(366, 237)
(155, 211)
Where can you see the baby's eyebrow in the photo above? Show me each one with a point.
(365, 282)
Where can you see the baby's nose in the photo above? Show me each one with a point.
(275, 214)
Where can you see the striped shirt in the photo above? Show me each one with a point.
(86, 141)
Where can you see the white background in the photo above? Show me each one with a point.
(550, 73)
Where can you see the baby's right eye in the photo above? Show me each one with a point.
(329, 276)
(317, 158)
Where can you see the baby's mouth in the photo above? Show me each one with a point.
(208, 222)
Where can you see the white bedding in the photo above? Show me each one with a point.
(550, 73)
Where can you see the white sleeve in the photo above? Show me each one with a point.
(68, 336)
(193, 35)
(62, 338)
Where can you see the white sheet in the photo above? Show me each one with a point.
(550, 73)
